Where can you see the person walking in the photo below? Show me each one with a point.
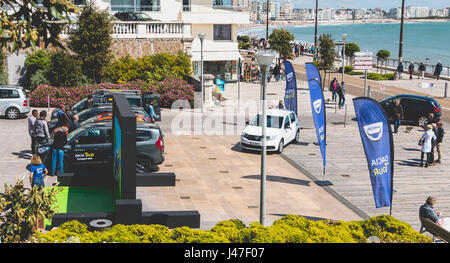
(421, 71)
(41, 129)
(439, 137)
(59, 140)
(438, 70)
(411, 69)
(428, 211)
(400, 70)
(38, 172)
(31, 121)
(333, 89)
(426, 143)
(341, 93)
(398, 115)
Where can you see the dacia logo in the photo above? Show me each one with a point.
(290, 76)
(317, 104)
(374, 131)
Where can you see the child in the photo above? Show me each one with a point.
(37, 171)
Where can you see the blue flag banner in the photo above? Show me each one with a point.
(317, 106)
(290, 97)
(376, 137)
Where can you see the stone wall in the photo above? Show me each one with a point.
(141, 47)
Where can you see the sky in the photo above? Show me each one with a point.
(384, 4)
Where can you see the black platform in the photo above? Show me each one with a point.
(155, 179)
(172, 219)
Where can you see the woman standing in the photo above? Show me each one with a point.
(38, 172)
(41, 129)
(59, 140)
(426, 143)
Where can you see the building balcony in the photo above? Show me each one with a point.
(147, 29)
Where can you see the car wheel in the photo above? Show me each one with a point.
(144, 165)
(12, 113)
(423, 121)
(281, 146)
(297, 136)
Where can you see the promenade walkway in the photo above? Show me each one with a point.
(346, 162)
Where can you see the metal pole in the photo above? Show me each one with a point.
(445, 91)
(239, 83)
(201, 77)
(267, 24)
(400, 47)
(343, 60)
(263, 148)
(315, 30)
(365, 81)
(345, 115)
(48, 103)
(368, 91)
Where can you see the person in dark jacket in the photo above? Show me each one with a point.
(411, 69)
(400, 70)
(439, 137)
(75, 124)
(398, 115)
(333, 89)
(59, 140)
(341, 93)
(438, 70)
(31, 121)
(41, 129)
(63, 118)
(421, 71)
(427, 210)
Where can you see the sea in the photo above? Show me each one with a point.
(421, 40)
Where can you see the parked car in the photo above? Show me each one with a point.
(133, 16)
(283, 126)
(90, 146)
(415, 108)
(104, 98)
(141, 115)
(13, 101)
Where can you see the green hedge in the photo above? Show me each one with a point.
(376, 76)
(289, 229)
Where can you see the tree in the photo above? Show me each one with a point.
(383, 55)
(327, 53)
(22, 209)
(351, 48)
(65, 70)
(28, 24)
(91, 41)
(280, 40)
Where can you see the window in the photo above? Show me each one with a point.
(135, 5)
(143, 135)
(292, 115)
(186, 5)
(222, 32)
(286, 122)
(94, 136)
(9, 94)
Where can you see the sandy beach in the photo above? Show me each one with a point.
(338, 22)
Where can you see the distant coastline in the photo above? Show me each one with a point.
(338, 22)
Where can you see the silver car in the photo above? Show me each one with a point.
(13, 101)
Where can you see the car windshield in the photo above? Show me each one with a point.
(134, 102)
(76, 105)
(272, 121)
(74, 133)
(142, 16)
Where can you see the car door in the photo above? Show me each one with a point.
(409, 112)
(287, 130)
(2, 101)
(89, 149)
(294, 124)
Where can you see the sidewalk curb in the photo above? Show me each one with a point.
(333, 193)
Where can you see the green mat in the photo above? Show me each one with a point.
(83, 200)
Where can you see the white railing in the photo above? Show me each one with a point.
(143, 29)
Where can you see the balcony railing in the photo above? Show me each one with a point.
(143, 29)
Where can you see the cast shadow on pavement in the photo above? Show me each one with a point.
(25, 154)
(410, 162)
(279, 179)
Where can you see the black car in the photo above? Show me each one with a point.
(133, 16)
(104, 98)
(90, 147)
(415, 108)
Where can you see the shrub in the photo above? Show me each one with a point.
(65, 70)
(38, 78)
(289, 229)
(376, 76)
(37, 61)
(346, 70)
(3, 78)
(153, 68)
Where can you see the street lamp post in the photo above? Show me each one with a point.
(344, 36)
(315, 29)
(400, 46)
(202, 38)
(264, 60)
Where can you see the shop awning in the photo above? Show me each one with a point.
(216, 56)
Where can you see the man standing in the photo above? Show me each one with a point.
(421, 70)
(398, 115)
(438, 70)
(439, 137)
(31, 122)
(400, 70)
(341, 93)
(411, 69)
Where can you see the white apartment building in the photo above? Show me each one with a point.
(217, 19)
(287, 9)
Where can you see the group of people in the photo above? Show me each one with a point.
(431, 140)
(421, 69)
(337, 90)
(301, 48)
(38, 129)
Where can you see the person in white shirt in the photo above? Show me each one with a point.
(426, 143)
